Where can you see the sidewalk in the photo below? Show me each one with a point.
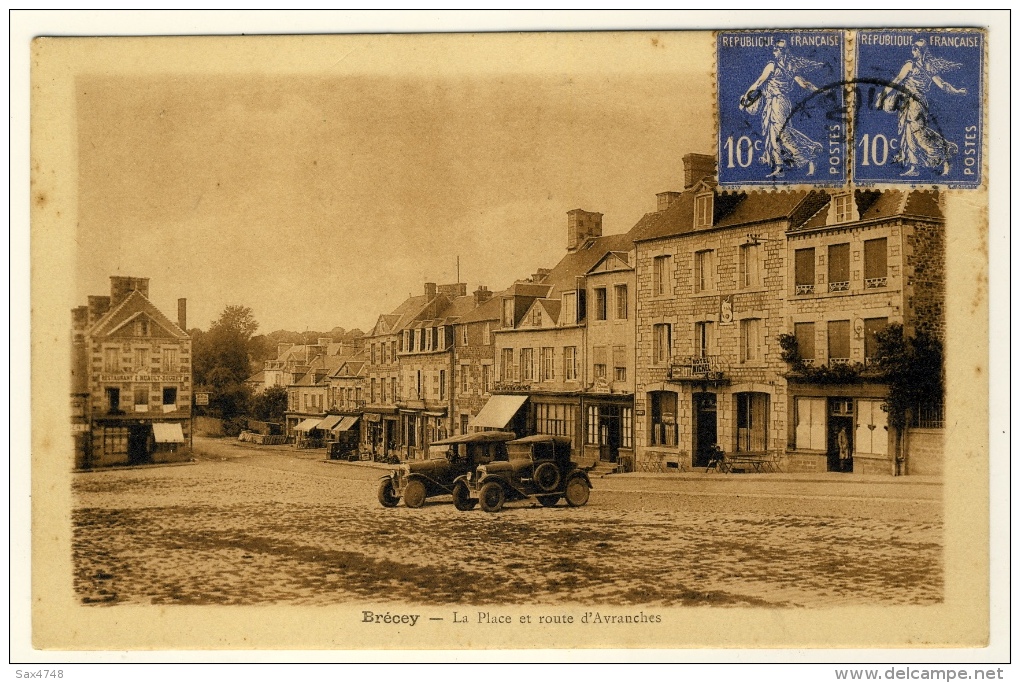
(804, 477)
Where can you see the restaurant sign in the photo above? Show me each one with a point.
(142, 377)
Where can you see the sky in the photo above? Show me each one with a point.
(323, 199)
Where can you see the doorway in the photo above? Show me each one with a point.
(840, 442)
(609, 432)
(139, 446)
(706, 432)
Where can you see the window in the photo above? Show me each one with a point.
(112, 400)
(805, 334)
(393, 389)
(621, 301)
(598, 362)
(141, 359)
(627, 427)
(111, 360)
(704, 339)
(839, 341)
(142, 327)
(872, 326)
(843, 204)
(663, 418)
(600, 303)
(752, 422)
(569, 316)
(804, 266)
(487, 334)
(548, 368)
(464, 335)
(170, 360)
(570, 363)
(661, 344)
(393, 351)
(416, 340)
(464, 369)
(839, 267)
(750, 270)
(536, 316)
(373, 355)
(170, 396)
(428, 338)
(704, 270)
(660, 275)
(372, 392)
(382, 391)
(810, 431)
(442, 385)
(506, 365)
(750, 340)
(464, 424)
(508, 312)
(441, 337)
(141, 399)
(115, 440)
(486, 378)
(620, 363)
(407, 341)
(703, 211)
(591, 432)
(527, 365)
(875, 263)
(555, 418)
(418, 385)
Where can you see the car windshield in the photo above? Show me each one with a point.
(439, 452)
(518, 451)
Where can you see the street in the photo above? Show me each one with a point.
(257, 525)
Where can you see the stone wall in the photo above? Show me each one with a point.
(925, 451)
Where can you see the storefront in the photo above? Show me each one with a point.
(502, 412)
(609, 428)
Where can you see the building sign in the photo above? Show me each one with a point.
(201, 398)
(142, 377)
(600, 386)
(726, 310)
(511, 386)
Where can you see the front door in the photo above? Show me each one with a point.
(138, 443)
(609, 432)
(840, 432)
(705, 428)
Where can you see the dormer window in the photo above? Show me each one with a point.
(703, 210)
(843, 208)
(508, 312)
(569, 316)
(536, 317)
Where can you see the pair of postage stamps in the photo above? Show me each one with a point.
(833, 107)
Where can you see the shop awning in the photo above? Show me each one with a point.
(168, 432)
(329, 422)
(307, 425)
(346, 424)
(498, 411)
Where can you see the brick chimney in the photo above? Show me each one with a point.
(430, 290)
(454, 290)
(697, 167)
(121, 287)
(540, 275)
(98, 306)
(482, 294)
(182, 314)
(582, 225)
(664, 199)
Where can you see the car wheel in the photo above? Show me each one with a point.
(387, 496)
(577, 492)
(548, 501)
(414, 494)
(462, 497)
(492, 497)
(546, 477)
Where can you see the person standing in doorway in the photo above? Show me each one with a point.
(843, 442)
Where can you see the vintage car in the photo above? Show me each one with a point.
(538, 466)
(416, 480)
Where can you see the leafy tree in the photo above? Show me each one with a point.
(221, 360)
(270, 405)
(914, 369)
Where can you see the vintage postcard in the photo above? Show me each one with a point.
(317, 366)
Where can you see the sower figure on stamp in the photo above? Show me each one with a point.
(920, 143)
(770, 94)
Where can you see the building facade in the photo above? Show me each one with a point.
(132, 378)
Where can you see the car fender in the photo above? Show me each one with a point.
(578, 473)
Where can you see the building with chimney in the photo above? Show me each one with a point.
(474, 359)
(131, 378)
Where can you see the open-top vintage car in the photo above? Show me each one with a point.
(416, 480)
(537, 466)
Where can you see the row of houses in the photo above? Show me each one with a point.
(656, 347)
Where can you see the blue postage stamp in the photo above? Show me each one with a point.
(919, 118)
(782, 117)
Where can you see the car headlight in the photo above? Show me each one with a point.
(482, 471)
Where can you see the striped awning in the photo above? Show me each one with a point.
(308, 425)
(329, 422)
(168, 432)
(346, 424)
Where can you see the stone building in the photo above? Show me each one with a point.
(474, 359)
(131, 383)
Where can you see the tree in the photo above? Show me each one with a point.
(222, 360)
(914, 370)
(270, 405)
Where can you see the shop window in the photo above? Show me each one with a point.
(527, 365)
(839, 268)
(704, 270)
(872, 327)
(661, 344)
(752, 422)
(660, 275)
(548, 364)
(570, 363)
(627, 427)
(750, 267)
(810, 419)
(556, 419)
(664, 423)
(704, 339)
(839, 341)
(805, 334)
(621, 302)
(876, 263)
(591, 432)
(112, 399)
(750, 340)
(600, 303)
(804, 267)
(115, 441)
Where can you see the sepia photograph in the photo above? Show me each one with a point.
(511, 340)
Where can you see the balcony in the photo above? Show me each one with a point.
(697, 369)
(804, 289)
(875, 282)
(839, 286)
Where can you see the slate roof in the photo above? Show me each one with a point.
(136, 301)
